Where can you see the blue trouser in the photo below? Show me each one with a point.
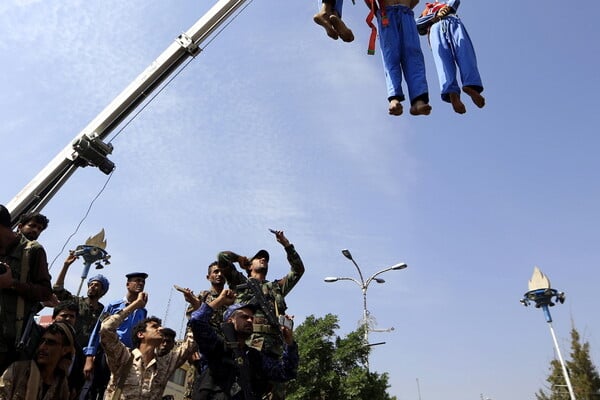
(452, 47)
(338, 7)
(401, 52)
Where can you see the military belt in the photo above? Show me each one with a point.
(262, 328)
(260, 321)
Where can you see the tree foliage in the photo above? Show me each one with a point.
(334, 368)
(582, 372)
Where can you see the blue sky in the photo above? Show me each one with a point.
(275, 125)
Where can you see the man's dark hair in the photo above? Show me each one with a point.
(68, 305)
(4, 216)
(168, 333)
(141, 327)
(35, 217)
(212, 264)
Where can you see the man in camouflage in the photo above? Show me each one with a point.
(235, 371)
(217, 283)
(139, 373)
(266, 337)
(24, 282)
(95, 364)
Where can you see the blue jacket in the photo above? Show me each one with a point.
(125, 329)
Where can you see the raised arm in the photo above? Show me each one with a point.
(117, 354)
(225, 259)
(204, 334)
(288, 282)
(60, 279)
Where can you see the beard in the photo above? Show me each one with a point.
(261, 269)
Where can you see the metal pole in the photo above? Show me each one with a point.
(50, 179)
(364, 286)
(562, 362)
(365, 315)
(84, 274)
(365, 320)
(541, 293)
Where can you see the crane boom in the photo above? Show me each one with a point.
(88, 148)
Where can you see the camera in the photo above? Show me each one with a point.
(287, 322)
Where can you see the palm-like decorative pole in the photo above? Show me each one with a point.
(543, 295)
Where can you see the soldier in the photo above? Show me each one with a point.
(90, 307)
(266, 336)
(168, 342)
(217, 283)
(138, 373)
(247, 377)
(24, 282)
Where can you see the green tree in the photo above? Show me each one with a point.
(582, 371)
(334, 368)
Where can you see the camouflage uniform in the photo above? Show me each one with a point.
(31, 289)
(88, 315)
(146, 382)
(266, 338)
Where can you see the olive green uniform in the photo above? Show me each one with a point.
(29, 268)
(265, 337)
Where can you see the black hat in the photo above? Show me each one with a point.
(261, 254)
(137, 275)
(4, 216)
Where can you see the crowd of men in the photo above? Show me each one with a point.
(239, 341)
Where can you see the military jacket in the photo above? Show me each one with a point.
(35, 288)
(265, 336)
(146, 382)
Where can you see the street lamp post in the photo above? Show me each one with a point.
(542, 295)
(364, 286)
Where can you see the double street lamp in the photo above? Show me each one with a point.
(364, 286)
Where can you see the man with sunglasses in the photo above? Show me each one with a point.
(45, 377)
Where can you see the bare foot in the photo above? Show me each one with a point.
(341, 28)
(321, 19)
(395, 107)
(477, 98)
(457, 105)
(420, 108)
